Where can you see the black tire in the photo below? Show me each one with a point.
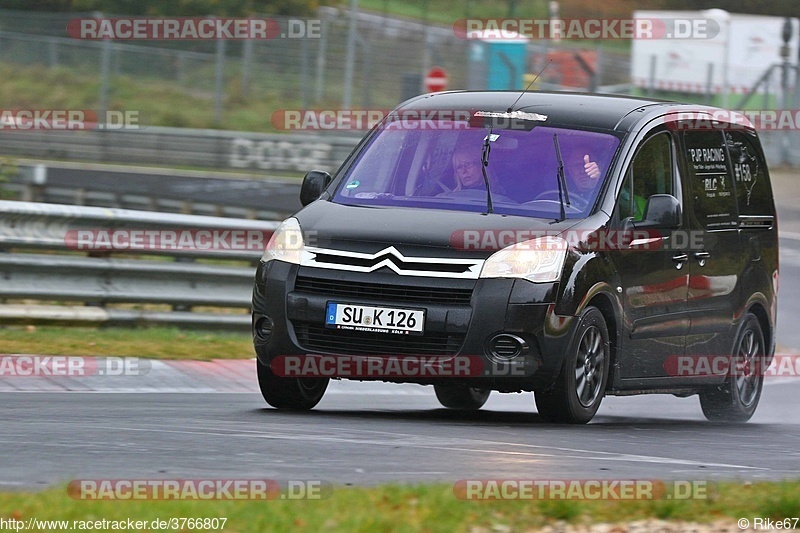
(577, 392)
(737, 398)
(461, 397)
(298, 394)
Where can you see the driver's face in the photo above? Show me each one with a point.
(467, 169)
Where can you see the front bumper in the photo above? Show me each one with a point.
(462, 318)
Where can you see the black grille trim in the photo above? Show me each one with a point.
(390, 294)
(319, 338)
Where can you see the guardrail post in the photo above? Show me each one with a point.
(247, 60)
(105, 72)
(219, 85)
(322, 50)
(305, 74)
(180, 70)
(52, 46)
(709, 82)
(350, 57)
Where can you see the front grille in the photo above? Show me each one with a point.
(319, 338)
(386, 293)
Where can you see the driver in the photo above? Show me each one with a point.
(467, 168)
(583, 175)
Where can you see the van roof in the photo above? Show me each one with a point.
(584, 109)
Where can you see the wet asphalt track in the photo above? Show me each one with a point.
(365, 433)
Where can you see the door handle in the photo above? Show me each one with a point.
(701, 257)
(680, 259)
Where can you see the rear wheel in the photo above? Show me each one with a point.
(461, 397)
(737, 398)
(580, 387)
(299, 394)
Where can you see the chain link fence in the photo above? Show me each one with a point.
(390, 59)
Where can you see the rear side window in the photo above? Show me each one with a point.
(710, 179)
(750, 175)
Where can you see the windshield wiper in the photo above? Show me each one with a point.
(485, 163)
(563, 193)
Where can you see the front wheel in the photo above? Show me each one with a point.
(461, 397)
(299, 394)
(580, 387)
(737, 398)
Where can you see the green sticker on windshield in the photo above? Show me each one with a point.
(353, 184)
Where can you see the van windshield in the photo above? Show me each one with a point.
(440, 168)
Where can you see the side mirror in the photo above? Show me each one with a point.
(661, 211)
(314, 184)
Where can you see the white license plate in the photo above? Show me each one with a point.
(374, 319)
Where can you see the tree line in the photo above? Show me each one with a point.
(173, 8)
(238, 8)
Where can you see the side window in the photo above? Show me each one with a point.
(710, 178)
(652, 172)
(749, 174)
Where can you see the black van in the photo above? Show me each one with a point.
(572, 245)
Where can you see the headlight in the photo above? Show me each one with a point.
(286, 244)
(538, 260)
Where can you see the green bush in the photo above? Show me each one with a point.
(8, 170)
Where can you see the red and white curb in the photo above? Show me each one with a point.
(165, 376)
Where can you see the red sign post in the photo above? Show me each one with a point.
(436, 80)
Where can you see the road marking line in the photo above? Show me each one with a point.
(582, 453)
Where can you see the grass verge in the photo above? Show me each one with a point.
(155, 343)
(449, 11)
(159, 102)
(416, 508)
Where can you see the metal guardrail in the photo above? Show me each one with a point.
(49, 226)
(169, 190)
(81, 196)
(184, 147)
(103, 280)
(91, 276)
